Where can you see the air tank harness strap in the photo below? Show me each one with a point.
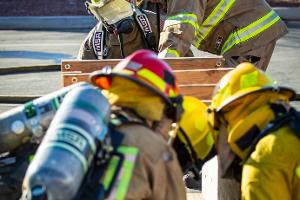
(146, 30)
(282, 117)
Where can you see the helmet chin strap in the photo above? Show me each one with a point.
(193, 155)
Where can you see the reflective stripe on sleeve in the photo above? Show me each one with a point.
(184, 18)
(250, 31)
(298, 171)
(121, 184)
(213, 20)
(169, 53)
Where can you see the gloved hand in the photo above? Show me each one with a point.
(192, 181)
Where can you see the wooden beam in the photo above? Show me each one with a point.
(196, 76)
(87, 66)
(201, 91)
(209, 76)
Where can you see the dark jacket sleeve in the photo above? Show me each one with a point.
(86, 51)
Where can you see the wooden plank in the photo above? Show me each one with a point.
(209, 76)
(196, 76)
(87, 66)
(201, 91)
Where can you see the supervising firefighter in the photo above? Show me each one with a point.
(145, 94)
(122, 28)
(254, 131)
(239, 30)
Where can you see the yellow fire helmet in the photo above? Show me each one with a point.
(241, 103)
(241, 82)
(194, 130)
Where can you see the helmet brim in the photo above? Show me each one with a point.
(111, 74)
(288, 92)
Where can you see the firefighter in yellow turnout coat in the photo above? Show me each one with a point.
(240, 30)
(256, 132)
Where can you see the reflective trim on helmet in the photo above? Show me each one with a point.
(125, 71)
(183, 18)
(153, 78)
(169, 53)
(172, 93)
(210, 139)
(248, 80)
(250, 31)
(212, 20)
(298, 171)
(120, 187)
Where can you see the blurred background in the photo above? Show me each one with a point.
(74, 7)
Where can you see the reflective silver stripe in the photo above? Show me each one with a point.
(184, 18)
(212, 20)
(250, 31)
(98, 39)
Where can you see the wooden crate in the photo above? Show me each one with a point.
(196, 76)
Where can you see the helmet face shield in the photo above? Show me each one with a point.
(111, 12)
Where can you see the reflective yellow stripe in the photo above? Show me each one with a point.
(250, 31)
(128, 150)
(298, 171)
(173, 52)
(120, 187)
(185, 18)
(127, 168)
(172, 93)
(212, 20)
(110, 171)
(248, 80)
(156, 80)
(169, 53)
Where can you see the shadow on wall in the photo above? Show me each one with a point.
(35, 55)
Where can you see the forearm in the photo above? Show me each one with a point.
(181, 26)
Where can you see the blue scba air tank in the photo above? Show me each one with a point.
(69, 146)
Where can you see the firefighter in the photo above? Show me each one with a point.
(194, 143)
(241, 31)
(122, 29)
(146, 102)
(256, 132)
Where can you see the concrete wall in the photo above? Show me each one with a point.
(71, 7)
(42, 7)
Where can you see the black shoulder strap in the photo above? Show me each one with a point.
(93, 188)
(282, 117)
(145, 27)
(98, 41)
(122, 116)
